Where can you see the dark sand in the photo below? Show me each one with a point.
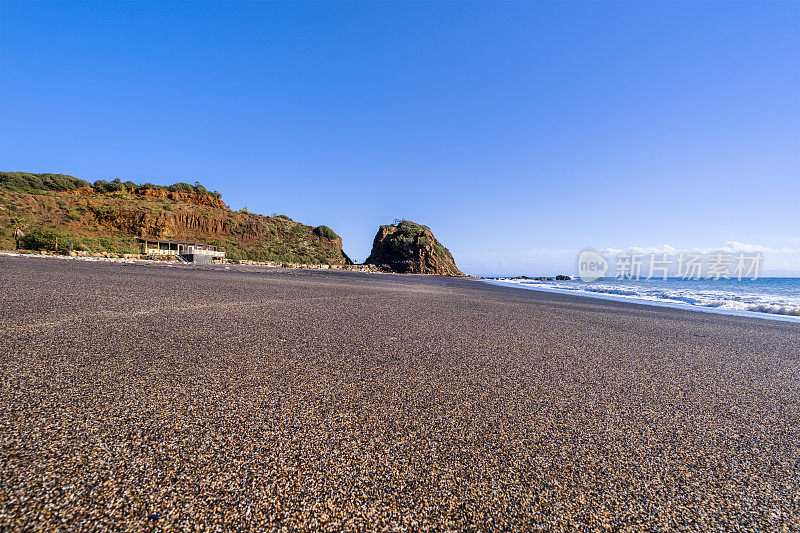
(178, 398)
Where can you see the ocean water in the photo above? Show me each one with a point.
(777, 298)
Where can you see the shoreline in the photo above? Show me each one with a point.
(649, 302)
(497, 282)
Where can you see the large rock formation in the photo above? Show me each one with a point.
(408, 247)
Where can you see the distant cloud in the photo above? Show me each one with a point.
(728, 247)
(752, 248)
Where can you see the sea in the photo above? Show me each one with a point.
(773, 298)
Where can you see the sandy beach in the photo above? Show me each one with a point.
(201, 398)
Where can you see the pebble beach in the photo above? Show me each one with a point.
(188, 398)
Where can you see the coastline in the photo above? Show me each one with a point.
(649, 301)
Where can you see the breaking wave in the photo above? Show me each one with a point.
(767, 296)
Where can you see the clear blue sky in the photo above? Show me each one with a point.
(519, 132)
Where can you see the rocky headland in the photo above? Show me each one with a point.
(60, 213)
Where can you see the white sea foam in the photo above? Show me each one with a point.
(766, 296)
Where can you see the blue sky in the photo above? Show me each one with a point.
(520, 132)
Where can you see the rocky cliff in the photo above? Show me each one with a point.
(91, 219)
(408, 247)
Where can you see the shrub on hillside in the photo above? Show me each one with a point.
(102, 186)
(325, 232)
(39, 239)
(184, 187)
(26, 182)
(52, 240)
(149, 185)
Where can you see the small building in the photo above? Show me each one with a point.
(194, 252)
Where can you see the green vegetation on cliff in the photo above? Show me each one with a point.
(50, 239)
(26, 182)
(36, 183)
(325, 231)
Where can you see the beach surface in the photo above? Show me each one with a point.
(184, 398)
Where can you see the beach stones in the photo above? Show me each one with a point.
(151, 397)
